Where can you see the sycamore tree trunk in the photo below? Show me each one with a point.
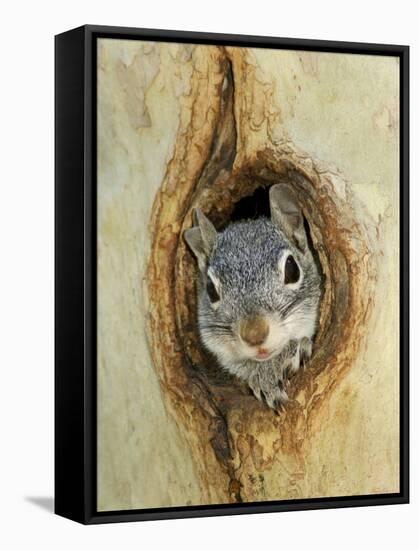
(183, 126)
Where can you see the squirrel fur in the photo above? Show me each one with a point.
(259, 290)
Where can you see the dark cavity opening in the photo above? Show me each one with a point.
(253, 206)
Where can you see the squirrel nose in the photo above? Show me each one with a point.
(254, 331)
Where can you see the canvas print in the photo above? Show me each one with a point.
(247, 274)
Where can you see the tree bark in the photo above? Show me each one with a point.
(236, 133)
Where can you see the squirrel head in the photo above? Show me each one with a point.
(259, 285)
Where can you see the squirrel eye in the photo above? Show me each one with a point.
(292, 271)
(212, 292)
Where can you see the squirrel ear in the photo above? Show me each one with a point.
(287, 215)
(201, 239)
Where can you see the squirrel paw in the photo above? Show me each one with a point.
(306, 350)
(273, 394)
(300, 358)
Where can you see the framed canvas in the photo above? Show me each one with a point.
(231, 274)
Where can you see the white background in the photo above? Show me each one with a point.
(26, 273)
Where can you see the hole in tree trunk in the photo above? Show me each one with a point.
(250, 200)
(252, 207)
(221, 384)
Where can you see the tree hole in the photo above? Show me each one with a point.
(252, 207)
(248, 200)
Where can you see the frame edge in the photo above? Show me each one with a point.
(69, 276)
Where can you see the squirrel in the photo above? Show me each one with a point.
(258, 294)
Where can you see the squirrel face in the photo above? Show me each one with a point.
(258, 286)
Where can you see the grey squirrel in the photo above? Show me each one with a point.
(259, 290)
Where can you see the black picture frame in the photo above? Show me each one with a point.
(75, 273)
